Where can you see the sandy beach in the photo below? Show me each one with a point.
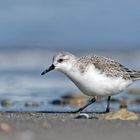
(44, 126)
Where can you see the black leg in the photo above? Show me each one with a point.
(108, 104)
(89, 103)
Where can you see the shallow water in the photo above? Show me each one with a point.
(26, 90)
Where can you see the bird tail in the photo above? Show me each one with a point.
(135, 75)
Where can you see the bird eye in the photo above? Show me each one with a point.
(60, 60)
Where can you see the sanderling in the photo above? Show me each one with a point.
(95, 76)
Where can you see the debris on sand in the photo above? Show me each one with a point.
(83, 116)
(122, 114)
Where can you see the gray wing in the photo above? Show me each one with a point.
(114, 69)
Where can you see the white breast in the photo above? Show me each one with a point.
(95, 83)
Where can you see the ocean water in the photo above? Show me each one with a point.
(22, 88)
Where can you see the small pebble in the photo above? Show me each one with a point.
(5, 127)
(83, 116)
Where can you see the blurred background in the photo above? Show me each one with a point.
(32, 31)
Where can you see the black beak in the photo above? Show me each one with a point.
(52, 67)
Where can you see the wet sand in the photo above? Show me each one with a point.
(44, 126)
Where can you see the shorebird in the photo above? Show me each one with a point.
(95, 76)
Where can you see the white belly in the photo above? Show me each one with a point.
(94, 83)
